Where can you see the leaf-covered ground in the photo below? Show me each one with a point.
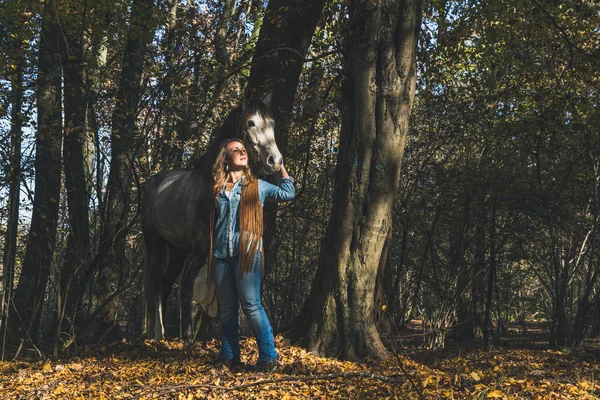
(161, 370)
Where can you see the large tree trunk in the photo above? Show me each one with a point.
(14, 178)
(29, 294)
(380, 58)
(124, 137)
(288, 26)
(75, 177)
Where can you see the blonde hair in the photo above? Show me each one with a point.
(251, 212)
(219, 172)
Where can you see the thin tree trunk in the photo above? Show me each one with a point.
(92, 147)
(491, 279)
(14, 179)
(221, 52)
(561, 301)
(459, 267)
(257, 11)
(124, 137)
(478, 285)
(380, 61)
(168, 84)
(29, 294)
(188, 106)
(585, 303)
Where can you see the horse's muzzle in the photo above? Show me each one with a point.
(273, 164)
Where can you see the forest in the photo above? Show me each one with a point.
(443, 242)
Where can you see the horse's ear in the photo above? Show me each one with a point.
(268, 100)
(246, 100)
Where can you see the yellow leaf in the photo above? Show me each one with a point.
(475, 376)
(384, 307)
(425, 382)
(573, 389)
(496, 368)
(496, 394)
(47, 367)
(584, 385)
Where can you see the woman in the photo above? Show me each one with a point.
(237, 252)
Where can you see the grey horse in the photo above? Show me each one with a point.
(176, 208)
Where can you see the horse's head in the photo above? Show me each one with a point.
(257, 127)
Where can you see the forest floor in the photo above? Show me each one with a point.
(517, 368)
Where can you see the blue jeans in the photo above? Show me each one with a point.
(229, 288)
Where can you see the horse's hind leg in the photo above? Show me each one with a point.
(156, 245)
(177, 258)
(189, 305)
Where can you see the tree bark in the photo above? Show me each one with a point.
(124, 137)
(585, 304)
(17, 58)
(29, 294)
(186, 107)
(458, 248)
(491, 279)
(75, 178)
(169, 81)
(94, 83)
(478, 285)
(288, 26)
(378, 93)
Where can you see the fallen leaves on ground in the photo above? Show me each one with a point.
(162, 370)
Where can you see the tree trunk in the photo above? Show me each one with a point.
(169, 118)
(560, 310)
(221, 52)
(186, 108)
(94, 84)
(380, 58)
(75, 178)
(458, 247)
(491, 278)
(585, 305)
(478, 285)
(124, 137)
(288, 26)
(14, 178)
(29, 294)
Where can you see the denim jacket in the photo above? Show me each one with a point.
(226, 236)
